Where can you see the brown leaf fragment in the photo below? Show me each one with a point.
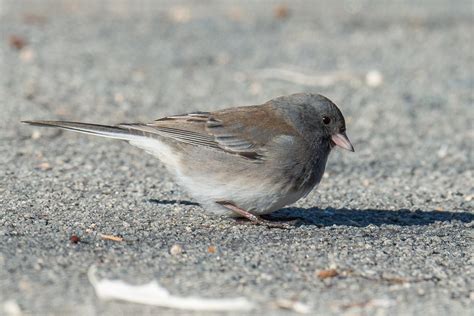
(111, 237)
(74, 239)
(281, 11)
(328, 273)
(17, 42)
(395, 280)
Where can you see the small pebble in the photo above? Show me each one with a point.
(74, 239)
(44, 166)
(35, 135)
(12, 308)
(176, 250)
(27, 55)
(374, 78)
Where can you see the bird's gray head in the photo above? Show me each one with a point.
(317, 116)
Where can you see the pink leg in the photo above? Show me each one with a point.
(254, 218)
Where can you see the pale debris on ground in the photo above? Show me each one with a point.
(154, 294)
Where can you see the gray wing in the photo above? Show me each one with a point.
(244, 131)
(202, 129)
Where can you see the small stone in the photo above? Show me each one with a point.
(176, 250)
(374, 78)
(12, 308)
(442, 151)
(27, 55)
(36, 135)
(44, 166)
(74, 239)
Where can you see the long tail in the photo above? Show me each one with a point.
(136, 134)
(118, 132)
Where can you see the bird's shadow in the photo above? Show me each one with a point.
(169, 202)
(365, 217)
(355, 217)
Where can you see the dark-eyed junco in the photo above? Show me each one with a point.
(242, 161)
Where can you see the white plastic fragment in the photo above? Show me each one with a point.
(154, 294)
(294, 306)
(11, 308)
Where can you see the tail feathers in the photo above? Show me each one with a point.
(117, 132)
(136, 134)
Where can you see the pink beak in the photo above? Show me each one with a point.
(342, 141)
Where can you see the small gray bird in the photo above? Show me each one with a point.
(243, 161)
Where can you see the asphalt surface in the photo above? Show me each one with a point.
(394, 220)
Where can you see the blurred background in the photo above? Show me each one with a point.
(401, 71)
(391, 66)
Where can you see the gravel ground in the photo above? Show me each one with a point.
(394, 220)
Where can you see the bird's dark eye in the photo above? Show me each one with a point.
(326, 120)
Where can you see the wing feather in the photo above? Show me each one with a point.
(243, 131)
